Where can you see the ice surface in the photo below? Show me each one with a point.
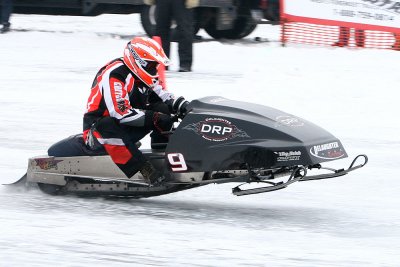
(47, 67)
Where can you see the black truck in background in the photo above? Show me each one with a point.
(229, 19)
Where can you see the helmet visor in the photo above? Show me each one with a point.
(151, 67)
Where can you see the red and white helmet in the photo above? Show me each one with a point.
(143, 55)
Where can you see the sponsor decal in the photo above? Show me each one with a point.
(143, 90)
(118, 90)
(327, 151)
(118, 87)
(137, 57)
(121, 105)
(118, 95)
(216, 129)
(47, 164)
(217, 100)
(288, 155)
(287, 120)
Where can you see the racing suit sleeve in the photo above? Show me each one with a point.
(174, 103)
(117, 101)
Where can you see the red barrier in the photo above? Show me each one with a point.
(327, 23)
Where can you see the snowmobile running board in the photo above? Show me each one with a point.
(296, 176)
(96, 178)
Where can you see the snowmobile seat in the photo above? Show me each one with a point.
(159, 146)
(74, 146)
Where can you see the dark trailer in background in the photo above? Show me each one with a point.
(230, 19)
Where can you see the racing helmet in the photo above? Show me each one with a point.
(143, 56)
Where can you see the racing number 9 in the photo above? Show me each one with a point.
(177, 162)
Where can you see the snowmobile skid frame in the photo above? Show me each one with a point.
(102, 186)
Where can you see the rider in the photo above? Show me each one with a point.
(127, 102)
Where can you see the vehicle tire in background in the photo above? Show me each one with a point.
(242, 26)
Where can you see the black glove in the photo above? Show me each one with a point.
(158, 121)
(160, 107)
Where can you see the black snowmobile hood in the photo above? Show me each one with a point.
(236, 132)
(280, 125)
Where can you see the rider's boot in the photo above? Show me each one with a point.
(152, 176)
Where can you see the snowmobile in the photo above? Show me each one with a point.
(217, 141)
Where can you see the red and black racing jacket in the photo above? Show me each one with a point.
(118, 93)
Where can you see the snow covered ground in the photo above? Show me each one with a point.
(47, 66)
